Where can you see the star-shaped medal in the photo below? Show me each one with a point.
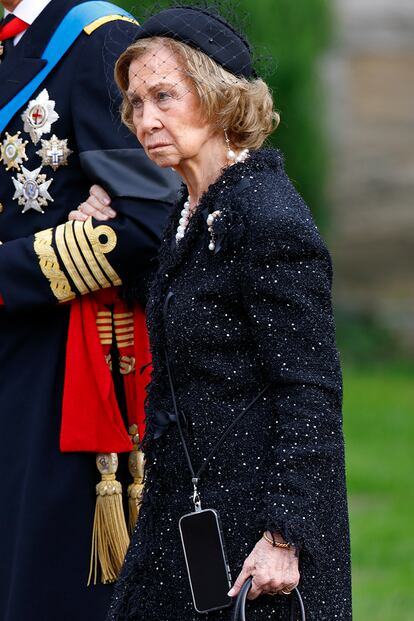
(39, 116)
(13, 151)
(31, 189)
(54, 152)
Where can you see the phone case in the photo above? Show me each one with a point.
(218, 566)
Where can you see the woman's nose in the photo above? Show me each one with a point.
(150, 116)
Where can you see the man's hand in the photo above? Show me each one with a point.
(97, 205)
(273, 570)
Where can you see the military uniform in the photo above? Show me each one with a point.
(70, 137)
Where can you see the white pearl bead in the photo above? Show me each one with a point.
(211, 246)
(184, 220)
(210, 220)
(231, 155)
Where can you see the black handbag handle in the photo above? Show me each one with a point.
(240, 606)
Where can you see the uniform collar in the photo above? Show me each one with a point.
(28, 10)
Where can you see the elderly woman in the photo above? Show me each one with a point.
(241, 308)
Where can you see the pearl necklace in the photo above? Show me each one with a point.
(184, 220)
(186, 212)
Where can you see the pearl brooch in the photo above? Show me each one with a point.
(210, 222)
(184, 220)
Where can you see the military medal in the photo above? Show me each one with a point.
(39, 116)
(13, 151)
(31, 189)
(54, 152)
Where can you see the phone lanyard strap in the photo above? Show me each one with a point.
(195, 476)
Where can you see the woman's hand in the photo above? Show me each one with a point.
(273, 570)
(96, 205)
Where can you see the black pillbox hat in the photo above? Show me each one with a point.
(203, 31)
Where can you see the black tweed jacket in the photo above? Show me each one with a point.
(254, 309)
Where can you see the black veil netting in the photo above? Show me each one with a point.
(230, 14)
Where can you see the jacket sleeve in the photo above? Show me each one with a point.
(56, 264)
(287, 296)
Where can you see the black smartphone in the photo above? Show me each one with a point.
(205, 557)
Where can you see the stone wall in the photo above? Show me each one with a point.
(370, 79)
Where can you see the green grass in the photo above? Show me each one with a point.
(379, 430)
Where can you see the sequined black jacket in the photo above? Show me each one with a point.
(257, 308)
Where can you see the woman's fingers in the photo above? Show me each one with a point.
(77, 215)
(92, 207)
(277, 584)
(273, 570)
(95, 208)
(264, 585)
(258, 586)
(98, 192)
(241, 579)
(85, 210)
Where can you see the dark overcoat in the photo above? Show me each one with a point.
(48, 498)
(257, 308)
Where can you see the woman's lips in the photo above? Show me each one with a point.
(160, 145)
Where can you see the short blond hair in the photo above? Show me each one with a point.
(242, 107)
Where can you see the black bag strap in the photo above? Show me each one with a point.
(240, 605)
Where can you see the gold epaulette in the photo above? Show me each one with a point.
(90, 28)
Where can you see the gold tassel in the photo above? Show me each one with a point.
(110, 538)
(136, 468)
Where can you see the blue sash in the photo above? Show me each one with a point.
(64, 36)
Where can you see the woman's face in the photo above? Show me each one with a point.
(166, 109)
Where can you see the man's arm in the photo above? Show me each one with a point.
(73, 259)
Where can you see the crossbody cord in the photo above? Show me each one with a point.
(195, 476)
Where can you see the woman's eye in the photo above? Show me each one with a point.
(163, 96)
(136, 104)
